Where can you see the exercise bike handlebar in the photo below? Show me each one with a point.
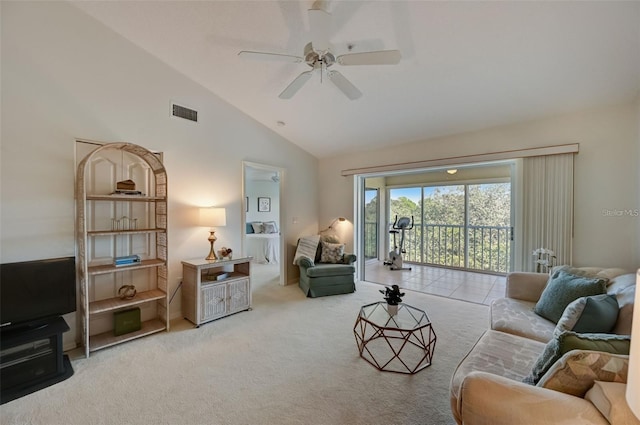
(402, 223)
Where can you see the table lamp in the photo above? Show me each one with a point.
(212, 217)
(633, 375)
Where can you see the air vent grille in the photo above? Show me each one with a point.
(186, 113)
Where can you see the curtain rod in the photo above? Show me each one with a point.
(465, 159)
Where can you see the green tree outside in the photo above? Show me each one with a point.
(440, 217)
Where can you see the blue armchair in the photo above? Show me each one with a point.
(318, 279)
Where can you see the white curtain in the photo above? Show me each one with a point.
(547, 202)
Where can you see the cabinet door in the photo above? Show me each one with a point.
(238, 295)
(213, 302)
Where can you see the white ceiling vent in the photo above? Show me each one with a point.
(182, 112)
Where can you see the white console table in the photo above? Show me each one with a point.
(212, 289)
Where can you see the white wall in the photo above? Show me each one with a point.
(262, 189)
(66, 76)
(606, 174)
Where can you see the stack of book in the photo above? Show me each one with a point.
(127, 260)
(128, 192)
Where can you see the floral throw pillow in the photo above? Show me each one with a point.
(332, 252)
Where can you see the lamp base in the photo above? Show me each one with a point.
(212, 253)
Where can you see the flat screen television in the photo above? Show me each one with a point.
(32, 292)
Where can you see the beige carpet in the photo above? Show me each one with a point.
(291, 360)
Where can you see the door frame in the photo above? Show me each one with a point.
(281, 224)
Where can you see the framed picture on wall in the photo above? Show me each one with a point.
(264, 204)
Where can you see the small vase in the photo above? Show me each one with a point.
(392, 309)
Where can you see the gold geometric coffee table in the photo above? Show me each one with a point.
(403, 342)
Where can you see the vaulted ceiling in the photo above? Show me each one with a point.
(465, 65)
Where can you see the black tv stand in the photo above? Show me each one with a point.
(32, 358)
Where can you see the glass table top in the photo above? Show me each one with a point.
(406, 318)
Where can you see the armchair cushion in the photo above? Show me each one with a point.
(325, 269)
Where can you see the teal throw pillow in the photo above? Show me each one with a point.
(563, 287)
(593, 314)
(567, 341)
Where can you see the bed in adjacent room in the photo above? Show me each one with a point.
(263, 243)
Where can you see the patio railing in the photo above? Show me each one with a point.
(370, 240)
(485, 248)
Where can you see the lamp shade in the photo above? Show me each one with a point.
(213, 217)
(633, 376)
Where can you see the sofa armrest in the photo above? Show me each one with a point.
(488, 399)
(526, 286)
(349, 258)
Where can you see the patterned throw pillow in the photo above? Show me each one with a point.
(332, 253)
(576, 371)
(258, 227)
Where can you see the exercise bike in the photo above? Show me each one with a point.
(395, 261)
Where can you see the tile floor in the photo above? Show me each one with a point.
(474, 287)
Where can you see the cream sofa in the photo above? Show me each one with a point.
(487, 386)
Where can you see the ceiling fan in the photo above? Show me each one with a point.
(318, 55)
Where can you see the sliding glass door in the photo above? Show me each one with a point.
(460, 225)
(371, 223)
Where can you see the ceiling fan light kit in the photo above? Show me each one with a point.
(318, 56)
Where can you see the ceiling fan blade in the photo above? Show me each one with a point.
(295, 85)
(381, 57)
(320, 25)
(269, 57)
(344, 85)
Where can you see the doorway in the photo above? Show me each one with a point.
(262, 219)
